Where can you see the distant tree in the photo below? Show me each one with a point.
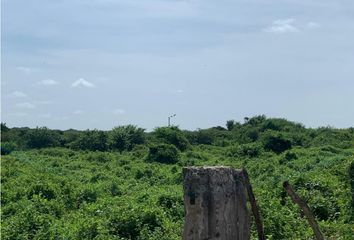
(4, 128)
(276, 142)
(4, 132)
(351, 182)
(69, 137)
(246, 134)
(7, 147)
(172, 135)
(163, 153)
(232, 124)
(93, 140)
(256, 120)
(205, 136)
(280, 124)
(126, 137)
(218, 128)
(41, 137)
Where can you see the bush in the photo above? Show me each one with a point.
(86, 195)
(43, 190)
(245, 150)
(163, 153)
(173, 204)
(289, 156)
(126, 137)
(250, 150)
(41, 137)
(230, 124)
(92, 140)
(204, 136)
(131, 223)
(98, 157)
(276, 142)
(351, 182)
(140, 151)
(7, 147)
(172, 135)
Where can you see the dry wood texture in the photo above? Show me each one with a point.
(215, 203)
(254, 206)
(309, 215)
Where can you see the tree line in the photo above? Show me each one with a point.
(255, 134)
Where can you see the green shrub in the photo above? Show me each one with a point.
(230, 124)
(276, 142)
(250, 150)
(329, 148)
(245, 150)
(172, 204)
(163, 153)
(351, 171)
(130, 223)
(140, 151)
(57, 152)
(97, 157)
(43, 190)
(126, 137)
(8, 147)
(288, 156)
(172, 135)
(41, 137)
(92, 140)
(86, 195)
(351, 182)
(147, 173)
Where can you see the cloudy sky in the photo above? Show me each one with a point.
(102, 63)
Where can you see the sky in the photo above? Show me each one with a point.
(103, 63)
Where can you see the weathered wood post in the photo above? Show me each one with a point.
(215, 202)
(305, 208)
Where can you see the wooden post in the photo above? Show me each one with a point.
(309, 215)
(254, 207)
(215, 202)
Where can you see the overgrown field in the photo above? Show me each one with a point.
(66, 192)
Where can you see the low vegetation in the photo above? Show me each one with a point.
(127, 184)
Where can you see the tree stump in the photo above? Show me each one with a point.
(215, 202)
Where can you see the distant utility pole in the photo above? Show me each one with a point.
(169, 119)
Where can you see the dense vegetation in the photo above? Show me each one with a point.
(126, 183)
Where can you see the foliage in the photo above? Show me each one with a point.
(245, 150)
(163, 153)
(72, 191)
(126, 137)
(41, 137)
(172, 135)
(92, 140)
(7, 147)
(230, 124)
(276, 142)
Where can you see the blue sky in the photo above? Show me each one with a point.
(102, 63)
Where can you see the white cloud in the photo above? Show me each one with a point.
(48, 82)
(82, 83)
(26, 105)
(45, 115)
(18, 94)
(313, 25)
(44, 102)
(24, 69)
(19, 114)
(78, 112)
(282, 26)
(118, 111)
(180, 91)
